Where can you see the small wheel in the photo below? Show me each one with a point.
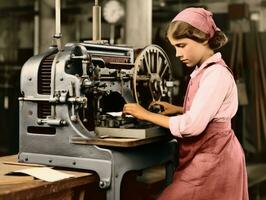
(151, 72)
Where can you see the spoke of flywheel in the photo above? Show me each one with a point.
(147, 64)
(152, 61)
(159, 65)
(165, 67)
(149, 61)
(157, 60)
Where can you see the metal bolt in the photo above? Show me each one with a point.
(102, 184)
(63, 122)
(39, 121)
(73, 118)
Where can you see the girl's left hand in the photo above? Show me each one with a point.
(136, 110)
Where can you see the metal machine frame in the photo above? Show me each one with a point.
(49, 140)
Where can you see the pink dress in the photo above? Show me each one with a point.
(211, 160)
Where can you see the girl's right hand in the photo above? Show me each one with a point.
(169, 109)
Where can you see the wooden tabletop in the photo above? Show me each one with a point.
(119, 142)
(16, 187)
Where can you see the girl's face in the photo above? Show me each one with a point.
(190, 52)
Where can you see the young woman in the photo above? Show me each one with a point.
(211, 160)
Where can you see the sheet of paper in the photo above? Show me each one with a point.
(118, 114)
(44, 173)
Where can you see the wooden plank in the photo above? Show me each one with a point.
(119, 142)
(23, 164)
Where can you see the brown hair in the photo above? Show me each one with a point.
(180, 29)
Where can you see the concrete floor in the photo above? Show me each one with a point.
(257, 181)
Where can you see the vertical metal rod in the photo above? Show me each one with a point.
(112, 34)
(6, 102)
(58, 35)
(96, 22)
(36, 27)
(6, 87)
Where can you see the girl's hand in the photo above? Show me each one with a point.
(139, 112)
(136, 110)
(169, 109)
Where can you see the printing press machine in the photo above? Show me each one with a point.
(69, 97)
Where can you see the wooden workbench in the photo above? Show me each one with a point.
(27, 188)
(84, 186)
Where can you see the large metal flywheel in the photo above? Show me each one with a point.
(151, 74)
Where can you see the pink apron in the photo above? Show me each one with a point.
(211, 165)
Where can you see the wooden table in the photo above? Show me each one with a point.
(120, 142)
(27, 188)
(84, 186)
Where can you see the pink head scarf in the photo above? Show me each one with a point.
(198, 18)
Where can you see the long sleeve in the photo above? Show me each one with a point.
(216, 98)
